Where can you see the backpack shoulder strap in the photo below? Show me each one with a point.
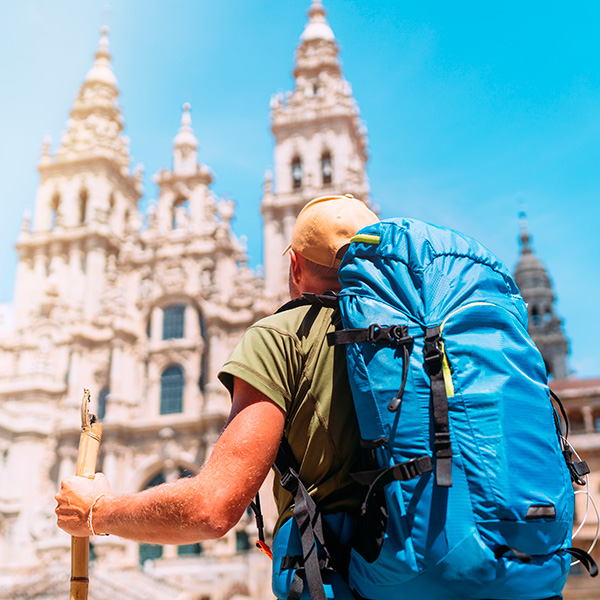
(329, 299)
(310, 526)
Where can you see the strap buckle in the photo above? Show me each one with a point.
(442, 444)
(289, 481)
(412, 468)
(394, 333)
(433, 349)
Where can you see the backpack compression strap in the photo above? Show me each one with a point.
(379, 478)
(439, 401)
(395, 334)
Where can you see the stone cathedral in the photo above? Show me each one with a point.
(143, 308)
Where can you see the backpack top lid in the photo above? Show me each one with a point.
(425, 271)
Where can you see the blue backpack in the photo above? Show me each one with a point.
(468, 480)
(467, 475)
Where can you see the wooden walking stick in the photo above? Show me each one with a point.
(89, 443)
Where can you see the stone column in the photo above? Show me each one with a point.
(76, 257)
(94, 278)
(74, 386)
(588, 419)
(156, 325)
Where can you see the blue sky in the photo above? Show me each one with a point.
(472, 108)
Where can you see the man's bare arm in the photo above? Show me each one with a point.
(191, 509)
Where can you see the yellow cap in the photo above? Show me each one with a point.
(327, 224)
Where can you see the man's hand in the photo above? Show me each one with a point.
(75, 498)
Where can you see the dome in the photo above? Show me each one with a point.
(317, 28)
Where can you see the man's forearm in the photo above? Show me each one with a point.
(189, 509)
(173, 513)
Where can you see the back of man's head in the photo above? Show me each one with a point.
(326, 225)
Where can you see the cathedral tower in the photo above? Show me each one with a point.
(545, 327)
(320, 144)
(84, 200)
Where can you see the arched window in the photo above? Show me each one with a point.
(54, 207)
(535, 315)
(83, 203)
(171, 390)
(179, 213)
(102, 400)
(296, 173)
(326, 168)
(173, 322)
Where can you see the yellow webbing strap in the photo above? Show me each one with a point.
(366, 238)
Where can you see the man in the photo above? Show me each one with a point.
(284, 380)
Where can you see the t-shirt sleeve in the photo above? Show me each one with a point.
(270, 360)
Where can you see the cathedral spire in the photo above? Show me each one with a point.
(96, 124)
(185, 145)
(320, 143)
(545, 327)
(524, 236)
(46, 154)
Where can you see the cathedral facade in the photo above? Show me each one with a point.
(144, 307)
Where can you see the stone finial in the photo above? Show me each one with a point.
(26, 220)
(185, 136)
(46, 156)
(103, 44)
(186, 117)
(185, 145)
(268, 182)
(226, 209)
(138, 175)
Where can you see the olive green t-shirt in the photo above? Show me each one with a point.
(286, 357)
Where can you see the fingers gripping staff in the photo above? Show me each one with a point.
(89, 443)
